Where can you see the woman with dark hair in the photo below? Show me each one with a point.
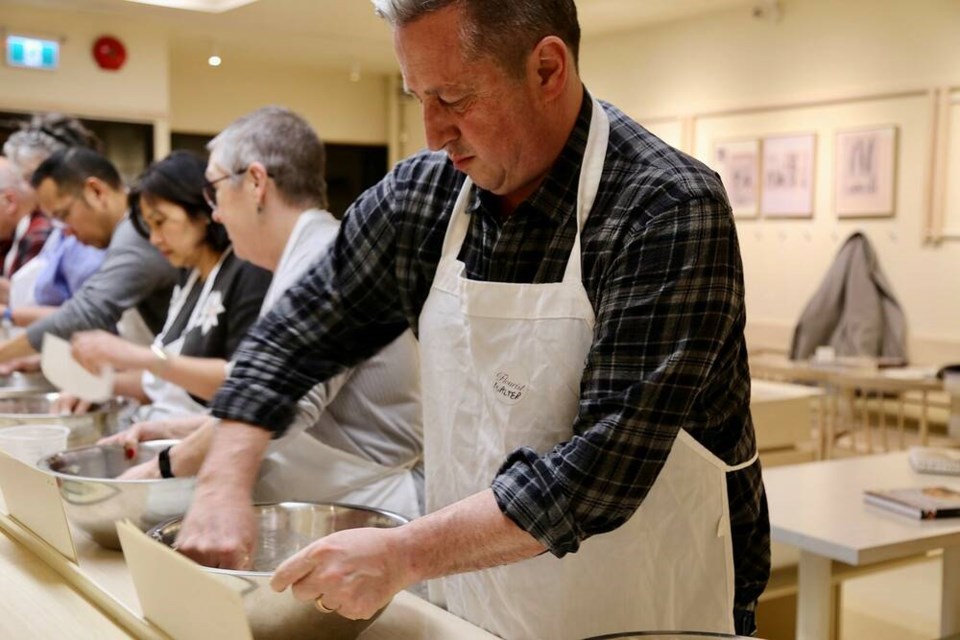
(218, 298)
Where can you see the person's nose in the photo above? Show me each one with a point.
(438, 125)
(155, 237)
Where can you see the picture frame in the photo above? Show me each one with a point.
(787, 186)
(738, 163)
(865, 172)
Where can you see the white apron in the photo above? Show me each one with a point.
(168, 400)
(501, 366)
(19, 231)
(308, 470)
(132, 327)
(301, 466)
(24, 283)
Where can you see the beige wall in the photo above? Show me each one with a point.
(821, 50)
(170, 84)
(670, 76)
(139, 91)
(203, 99)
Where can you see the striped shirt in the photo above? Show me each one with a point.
(662, 269)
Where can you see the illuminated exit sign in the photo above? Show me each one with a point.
(32, 53)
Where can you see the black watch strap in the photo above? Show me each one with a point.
(163, 460)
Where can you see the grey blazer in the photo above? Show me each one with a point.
(854, 310)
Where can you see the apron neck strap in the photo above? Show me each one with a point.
(590, 173)
(18, 233)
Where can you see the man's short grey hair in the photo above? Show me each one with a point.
(506, 30)
(10, 179)
(44, 135)
(285, 144)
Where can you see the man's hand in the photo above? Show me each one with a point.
(355, 571)
(220, 530)
(97, 349)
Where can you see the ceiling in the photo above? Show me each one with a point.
(342, 33)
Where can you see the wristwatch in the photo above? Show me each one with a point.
(163, 461)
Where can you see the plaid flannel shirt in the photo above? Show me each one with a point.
(662, 269)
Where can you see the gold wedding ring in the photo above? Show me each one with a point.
(321, 607)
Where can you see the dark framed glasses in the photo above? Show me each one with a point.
(210, 187)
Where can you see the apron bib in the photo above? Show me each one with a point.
(307, 470)
(502, 365)
(19, 231)
(24, 282)
(168, 400)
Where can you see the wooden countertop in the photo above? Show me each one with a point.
(43, 595)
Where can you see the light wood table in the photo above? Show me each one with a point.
(35, 602)
(782, 418)
(818, 507)
(843, 385)
(43, 595)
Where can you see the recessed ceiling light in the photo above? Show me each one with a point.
(208, 6)
(214, 61)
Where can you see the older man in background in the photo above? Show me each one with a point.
(23, 227)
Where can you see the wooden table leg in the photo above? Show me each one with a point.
(950, 598)
(822, 427)
(816, 605)
(924, 428)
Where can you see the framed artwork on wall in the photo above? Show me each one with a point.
(865, 172)
(738, 163)
(786, 190)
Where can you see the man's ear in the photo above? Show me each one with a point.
(96, 188)
(549, 62)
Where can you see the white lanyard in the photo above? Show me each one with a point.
(18, 234)
(177, 306)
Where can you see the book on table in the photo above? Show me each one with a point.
(922, 503)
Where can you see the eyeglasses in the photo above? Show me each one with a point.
(63, 213)
(210, 187)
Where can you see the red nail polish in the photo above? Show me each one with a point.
(128, 453)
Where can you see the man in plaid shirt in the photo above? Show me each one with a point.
(579, 303)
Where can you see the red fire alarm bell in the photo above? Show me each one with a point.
(109, 53)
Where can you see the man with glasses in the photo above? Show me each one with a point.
(131, 289)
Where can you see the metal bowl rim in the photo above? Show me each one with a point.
(115, 403)
(154, 531)
(44, 465)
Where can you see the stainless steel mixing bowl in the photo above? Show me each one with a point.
(19, 384)
(284, 529)
(94, 499)
(102, 420)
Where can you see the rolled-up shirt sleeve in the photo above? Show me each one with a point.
(345, 308)
(666, 310)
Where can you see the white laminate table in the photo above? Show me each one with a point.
(818, 507)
